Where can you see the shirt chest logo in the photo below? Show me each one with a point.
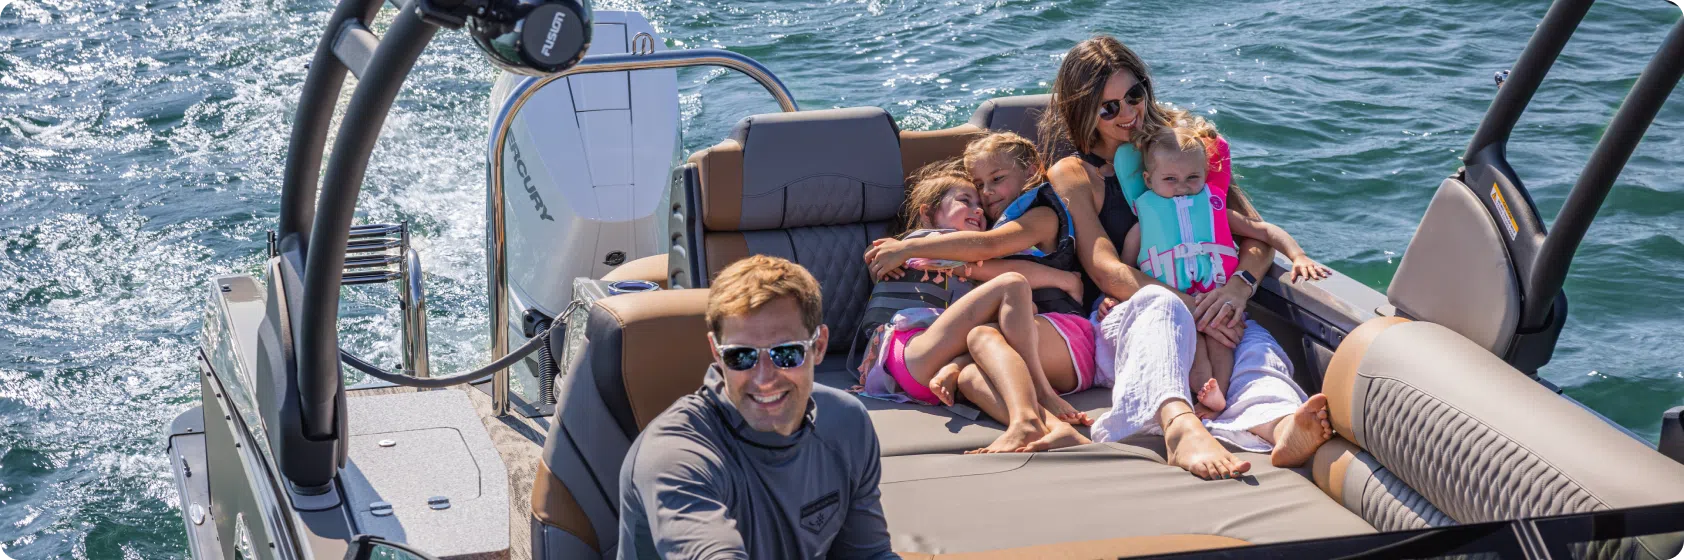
(817, 513)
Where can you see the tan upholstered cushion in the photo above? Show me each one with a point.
(923, 147)
(652, 268)
(553, 505)
(1479, 439)
(658, 340)
(1096, 549)
(721, 170)
(1342, 369)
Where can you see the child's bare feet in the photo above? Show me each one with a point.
(946, 383)
(1063, 411)
(1059, 435)
(1210, 395)
(1204, 412)
(1017, 435)
(1196, 451)
(1298, 436)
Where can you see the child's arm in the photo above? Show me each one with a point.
(1302, 266)
(1039, 275)
(968, 246)
(1131, 245)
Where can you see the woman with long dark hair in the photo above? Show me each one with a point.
(1103, 98)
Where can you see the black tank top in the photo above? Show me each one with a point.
(1114, 214)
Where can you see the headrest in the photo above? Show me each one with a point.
(1019, 113)
(809, 168)
(647, 350)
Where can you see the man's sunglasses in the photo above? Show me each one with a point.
(787, 355)
(1111, 107)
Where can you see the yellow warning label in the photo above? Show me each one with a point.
(1508, 221)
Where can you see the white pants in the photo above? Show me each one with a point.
(1145, 351)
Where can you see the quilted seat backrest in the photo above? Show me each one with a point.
(814, 187)
(1479, 439)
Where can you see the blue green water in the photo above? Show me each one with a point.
(141, 141)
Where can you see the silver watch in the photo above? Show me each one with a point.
(1249, 279)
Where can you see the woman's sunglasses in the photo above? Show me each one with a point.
(787, 355)
(1111, 107)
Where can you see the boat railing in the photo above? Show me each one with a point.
(497, 249)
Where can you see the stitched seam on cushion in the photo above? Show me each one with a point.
(1475, 419)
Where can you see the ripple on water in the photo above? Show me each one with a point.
(140, 146)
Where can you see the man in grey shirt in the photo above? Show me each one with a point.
(760, 462)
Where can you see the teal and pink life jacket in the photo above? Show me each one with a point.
(1184, 240)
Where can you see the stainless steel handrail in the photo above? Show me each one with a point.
(412, 302)
(497, 252)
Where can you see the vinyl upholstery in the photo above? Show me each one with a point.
(1481, 441)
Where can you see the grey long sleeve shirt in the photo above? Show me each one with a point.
(699, 483)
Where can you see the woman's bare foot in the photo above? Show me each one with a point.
(1299, 435)
(946, 383)
(1196, 451)
(1017, 435)
(1059, 435)
(1063, 411)
(1210, 395)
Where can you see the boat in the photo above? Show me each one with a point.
(601, 238)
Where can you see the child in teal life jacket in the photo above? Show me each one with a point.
(1185, 236)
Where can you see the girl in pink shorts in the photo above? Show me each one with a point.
(1030, 227)
(987, 345)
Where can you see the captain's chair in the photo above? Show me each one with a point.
(646, 350)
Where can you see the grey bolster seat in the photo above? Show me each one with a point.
(615, 389)
(1434, 430)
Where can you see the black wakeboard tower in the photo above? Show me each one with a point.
(298, 353)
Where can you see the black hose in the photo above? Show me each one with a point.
(546, 369)
(540, 342)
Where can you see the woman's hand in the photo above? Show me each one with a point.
(1224, 305)
(884, 256)
(1305, 268)
(1225, 335)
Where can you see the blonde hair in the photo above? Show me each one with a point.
(930, 184)
(1016, 148)
(1184, 135)
(1077, 94)
(755, 282)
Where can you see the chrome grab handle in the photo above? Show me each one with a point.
(412, 301)
(497, 251)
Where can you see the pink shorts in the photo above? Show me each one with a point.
(1078, 338)
(895, 364)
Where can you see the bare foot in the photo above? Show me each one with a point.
(1204, 412)
(1063, 411)
(1059, 435)
(1210, 395)
(945, 383)
(1196, 451)
(1297, 436)
(1017, 435)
